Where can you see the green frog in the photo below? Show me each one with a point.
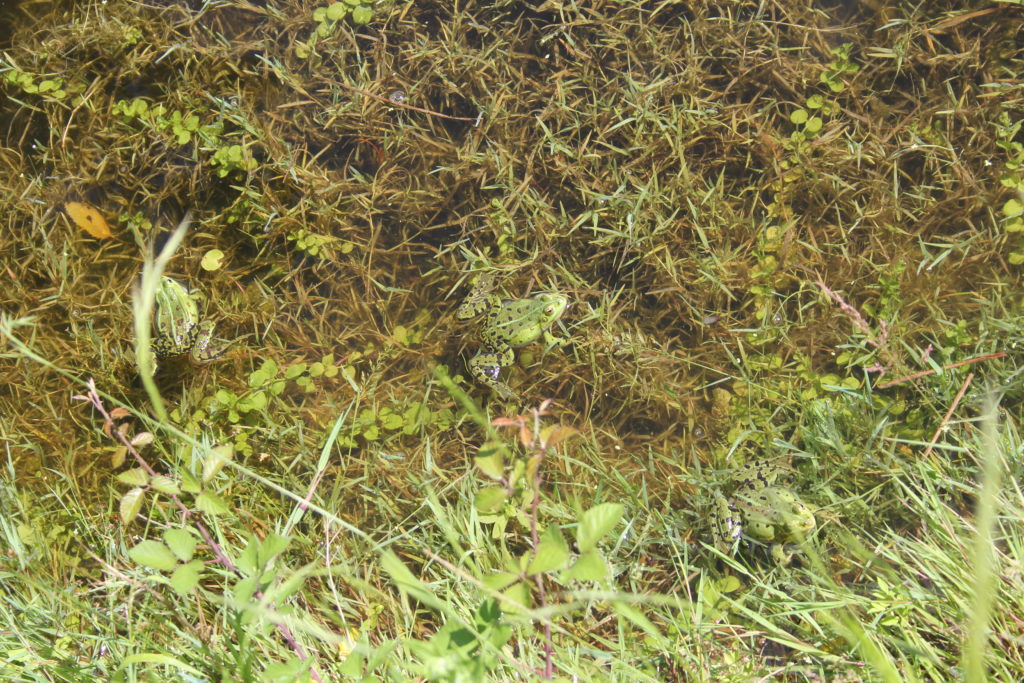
(178, 326)
(763, 510)
(508, 324)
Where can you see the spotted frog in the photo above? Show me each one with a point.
(508, 324)
(762, 510)
(178, 326)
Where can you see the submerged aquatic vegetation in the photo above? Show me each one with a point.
(787, 233)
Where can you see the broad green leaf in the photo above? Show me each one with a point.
(362, 15)
(519, 594)
(814, 124)
(212, 260)
(798, 116)
(131, 503)
(490, 461)
(254, 401)
(595, 523)
(550, 556)
(134, 477)
(189, 483)
(244, 589)
(185, 577)
(490, 499)
(248, 559)
(337, 11)
(500, 580)
(272, 546)
(286, 672)
(552, 552)
(211, 504)
(216, 458)
(1012, 207)
(153, 554)
(589, 567)
(164, 484)
(181, 542)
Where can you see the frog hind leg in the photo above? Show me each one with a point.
(202, 350)
(479, 298)
(487, 364)
(168, 346)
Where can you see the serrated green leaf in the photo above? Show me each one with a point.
(130, 505)
(244, 588)
(500, 580)
(595, 523)
(272, 546)
(134, 477)
(189, 484)
(490, 461)
(518, 597)
(248, 559)
(286, 672)
(185, 577)
(153, 554)
(550, 556)
(589, 567)
(164, 484)
(216, 458)
(211, 504)
(490, 499)
(181, 542)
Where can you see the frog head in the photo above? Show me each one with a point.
(552, 306)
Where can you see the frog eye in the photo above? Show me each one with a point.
(549, 310)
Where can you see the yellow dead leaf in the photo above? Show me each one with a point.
(89, 219)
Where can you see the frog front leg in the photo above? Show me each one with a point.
(551, 341)
(781, 554)
(486, 367)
